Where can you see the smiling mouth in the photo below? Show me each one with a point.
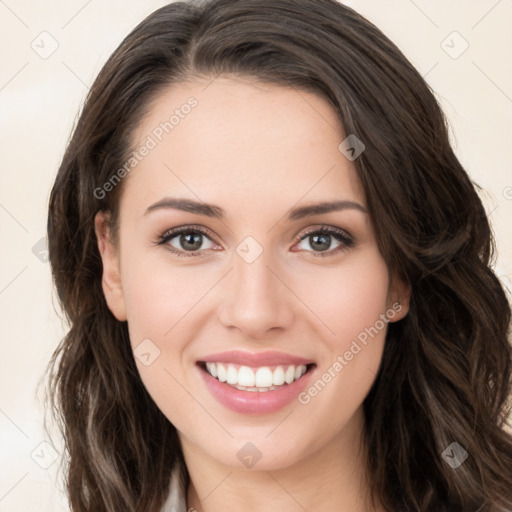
(263, 378)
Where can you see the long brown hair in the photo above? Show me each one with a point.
(446, 370)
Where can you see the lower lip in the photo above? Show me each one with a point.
(255, 402)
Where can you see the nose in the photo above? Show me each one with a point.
(256, 298)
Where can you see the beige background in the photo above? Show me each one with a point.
(40, 97)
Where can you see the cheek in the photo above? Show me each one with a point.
(158, 301)
(348, 298)
(350, 303)
(157, 296)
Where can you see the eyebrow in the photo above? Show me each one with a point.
(211, 210)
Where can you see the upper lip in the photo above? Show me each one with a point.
(269, 358)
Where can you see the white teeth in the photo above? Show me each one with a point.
(246, 377)
(261, 379)
(221, 372)
(290, 375)
(278, 376)
(232, 375)
(212, 368)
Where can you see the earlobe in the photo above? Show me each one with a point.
(111, 277)
(399, 303)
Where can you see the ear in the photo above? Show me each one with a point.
(399, 299)
(111, 278)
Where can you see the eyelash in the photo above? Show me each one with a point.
(342, 236)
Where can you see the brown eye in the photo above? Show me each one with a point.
(320, 241)
(186, 240)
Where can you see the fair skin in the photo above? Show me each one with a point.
(257, 151)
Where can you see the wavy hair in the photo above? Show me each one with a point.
(446, 370)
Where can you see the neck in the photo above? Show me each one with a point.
(330, 479)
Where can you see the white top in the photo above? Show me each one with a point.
(177, 498)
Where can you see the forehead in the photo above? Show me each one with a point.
(239, 142)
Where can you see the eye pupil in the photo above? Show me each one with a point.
(321, 242)
(188, 240)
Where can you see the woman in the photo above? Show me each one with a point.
(277, 277)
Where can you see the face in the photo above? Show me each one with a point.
(257, 272)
